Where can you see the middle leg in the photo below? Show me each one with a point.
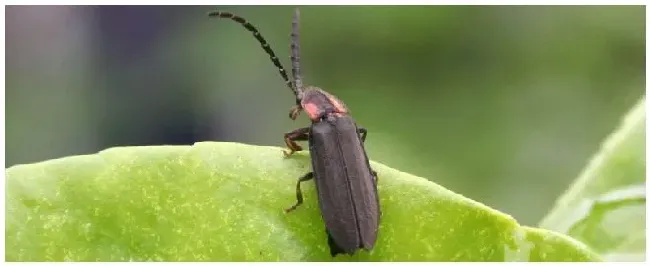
(304, 178)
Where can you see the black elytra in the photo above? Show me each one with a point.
(345, 182)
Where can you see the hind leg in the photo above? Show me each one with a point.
(374, 174)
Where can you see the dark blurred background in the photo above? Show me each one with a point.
(503, 104)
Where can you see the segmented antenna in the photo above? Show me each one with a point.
(295, 50)
(262, 41)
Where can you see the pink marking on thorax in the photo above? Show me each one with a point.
(312, 110)
(337, 105)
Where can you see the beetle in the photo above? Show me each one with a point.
(345, 182)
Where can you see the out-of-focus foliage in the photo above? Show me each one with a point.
(606, 205)
(504, 104)
(225, 201)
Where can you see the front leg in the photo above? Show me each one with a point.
(290, 139)
(363, 132)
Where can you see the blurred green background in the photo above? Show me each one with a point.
(503, 104)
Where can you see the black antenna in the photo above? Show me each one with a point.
(295, 52)
(265, 45)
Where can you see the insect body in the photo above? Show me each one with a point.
(346, 184)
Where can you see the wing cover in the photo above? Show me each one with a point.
(349, 205)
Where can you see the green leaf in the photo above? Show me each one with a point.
(225, 201)
(605, 207)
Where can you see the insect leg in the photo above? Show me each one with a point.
(290, 139)
(374, 173)
(363, 132)
(304, 178)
